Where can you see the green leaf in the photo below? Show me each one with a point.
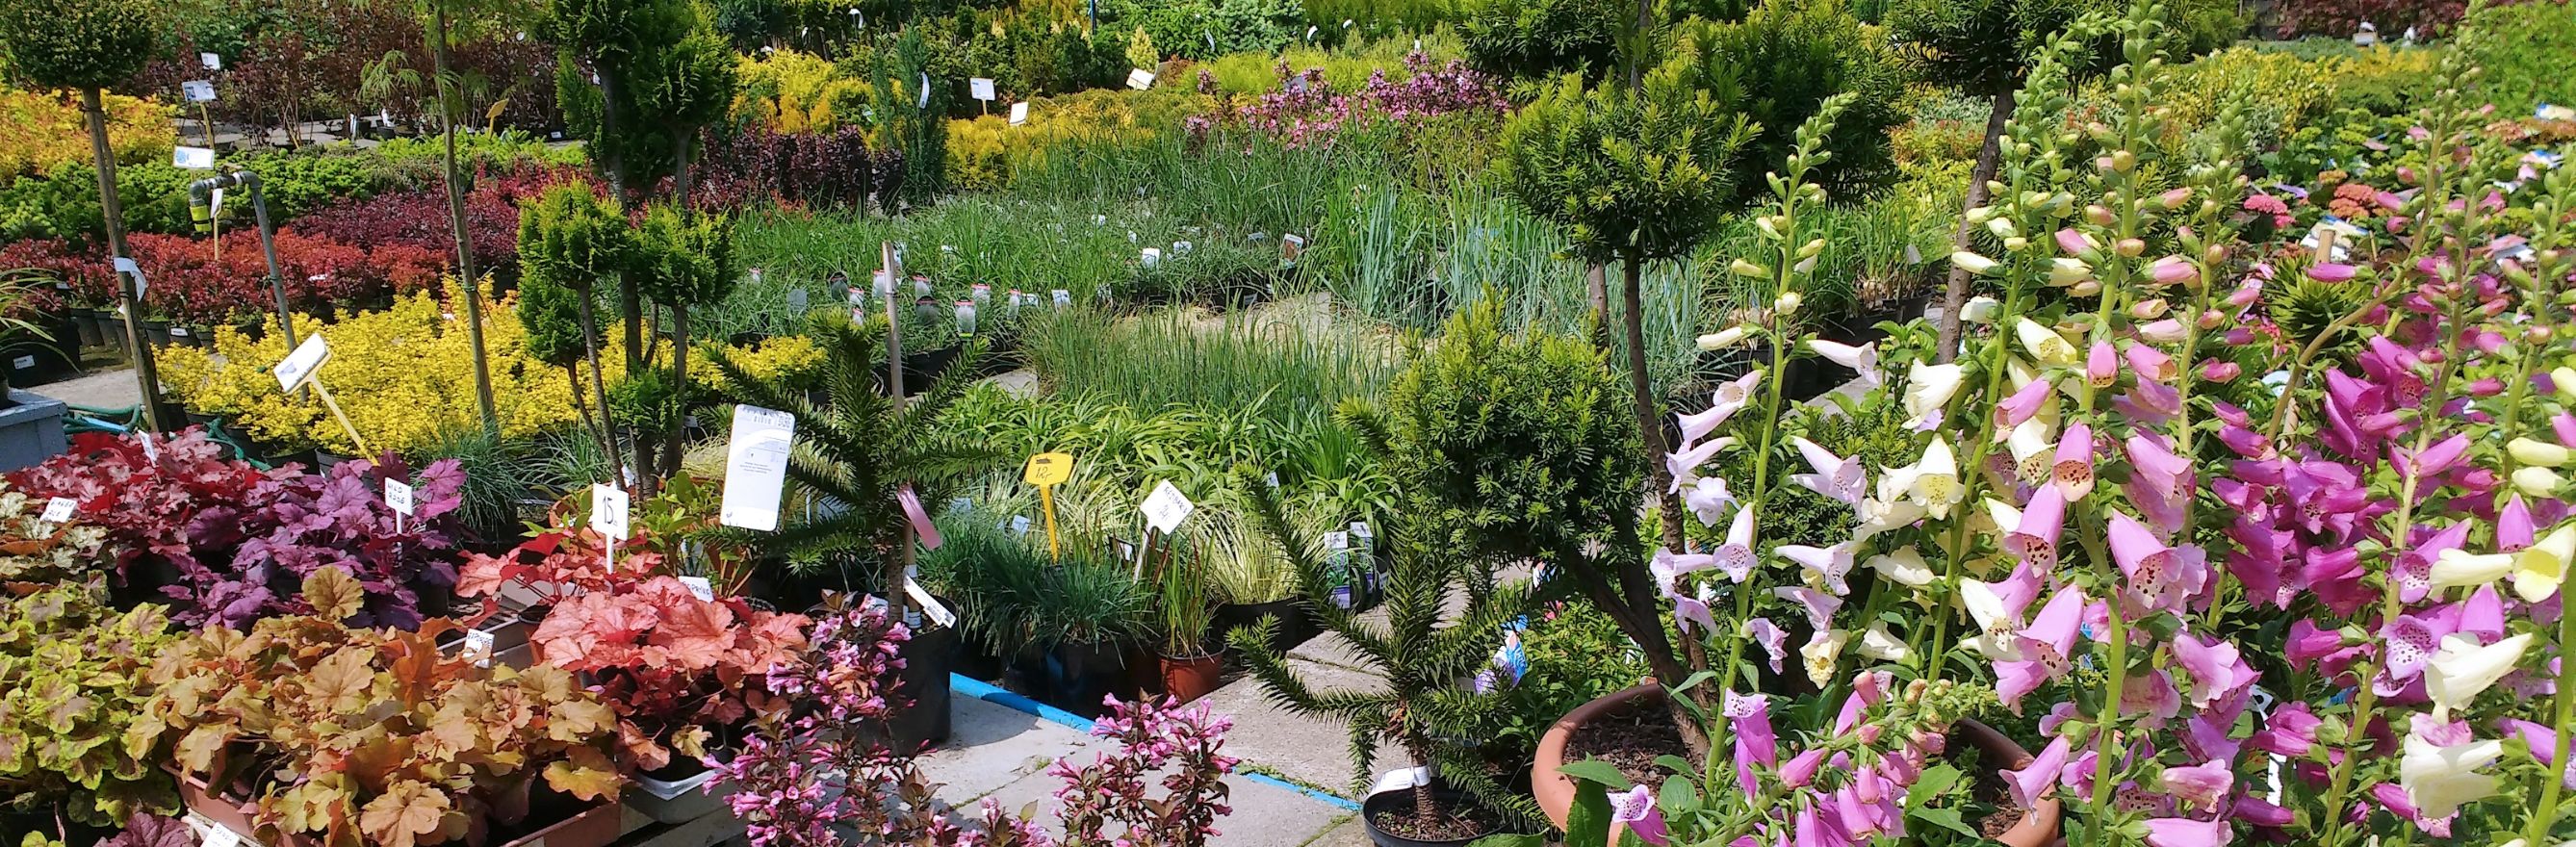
(1510, 841)
(1679, 797)
(1946, 818)
(1588, 823)
(1935, 781)
(1675, 764)
(1595, 770)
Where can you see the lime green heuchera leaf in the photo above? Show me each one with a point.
(75, 735)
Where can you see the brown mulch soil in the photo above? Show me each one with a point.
(1629, 740)
(1449, 824)
(1987, 789)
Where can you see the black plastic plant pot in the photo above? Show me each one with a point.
(927, 660)
(1079, 676)
(1296, 625)
(1400, 802)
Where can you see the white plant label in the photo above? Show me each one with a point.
(1337, 540)
(931, 606)
(299, 366)
(198, 90)
(221, 836)
(756, 467)
(215, 203)
(1401, 779)
(211, 61)
(193, 158)
(700, 588)
(151, 449)
(1140, 79)
(1019, 113)
(1167, 507)
(398, 495)
(26, 362)
(796, 299)
(980, 87)
(608, 510)
(923, 101)
(1063, 298)
(59, 509)
(1020, 524)
(179, 332)
(478, 644)
(1151, 256)
(1360, 530)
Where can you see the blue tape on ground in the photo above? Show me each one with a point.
(994, 694)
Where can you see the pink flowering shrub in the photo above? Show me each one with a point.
(821, 776)
(1307, 112)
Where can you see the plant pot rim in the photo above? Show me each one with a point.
(1372, 804)
(1554, 791)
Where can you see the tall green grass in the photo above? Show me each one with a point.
(1284, 365)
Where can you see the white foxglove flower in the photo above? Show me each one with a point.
(2535, 452)
(1980, 309)
(2453, 568)
(1862, 359)
(1928, 389)
(1725, 338)
(1974, 263)
(2461, 670)
(1878, 643)
(2046, 347)
(1903, 566)
(2539, 568)
(1936, 480)
(1823, 653)
(2439, 780)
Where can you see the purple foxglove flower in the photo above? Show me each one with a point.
(2564, 423)
(2074, 243)
(1755, 744)
(2050, 638)
(2245, 442)
(2162, 511)
(1856, 816)
(1801, 768)
(1811, 830)
(2147, 561)
(2217, 672)
(2074, 469)
(2032, 782)
(2220, 371)
(2185, 832)
(2101, 365)
(2078, 775)
(2150, 402)
(2324, 648)
(1636, 808)
(1867, 691)
(2290, 730)
(2151, 363)
(2407, 644)
(2260, 812)
(1691, 614)
(2482, 615)
(2205, 735)
(2173, 270)
(2514, 529)
(1684, 466)
(1844, 480)
(1819, 605)
(2330, 272)
(1773, 640)
(2435, 460)
(2017, 679)
(2543, 743)
(2153, 696)
(1736, 558)
(2165, 330)
(1828, 566)
(2017, 589)
(2199, 787)
(2035, 539)
(2022, 404)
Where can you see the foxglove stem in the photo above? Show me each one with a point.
(2550, 782)
(1787, 275)
(2392, 604)
(1996, 350)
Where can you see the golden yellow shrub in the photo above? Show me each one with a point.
(54, 131)
(792, 91)
(983, 151)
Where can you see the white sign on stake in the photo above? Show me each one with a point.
(980, 87)
(198, 90)
(931, 606)
(700, 588)
(1399, 780)
(1020, 524)
(1140, 79)
(398, 495)
(193, 158)
(1167, 507)
(60, 509)
(756, 467)
(478, 645)
(608, 510)
(1019, 113)
(923, 101)
(211, 61)
(299, 366)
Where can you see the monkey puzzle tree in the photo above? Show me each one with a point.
(88, 46)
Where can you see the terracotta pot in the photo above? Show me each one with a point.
(1555, 791)
(1192, 678)
(233, 813)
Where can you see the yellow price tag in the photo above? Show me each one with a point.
(1047, 469)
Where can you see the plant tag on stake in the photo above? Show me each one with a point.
(198, 90)
(1019, 113)
(756, 467)
(1400, 779)
(219, 835)
(931, 606)
(922, 528)
(398, 495)
(193, 158)
(608, 516)
(59, 509)
(478, 646)
(981, 88)
(1140, 79)
(1167, 507)
(700, 588)
(298, 367)
(211, 61)
(1020, 524)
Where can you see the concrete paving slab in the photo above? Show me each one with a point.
(113, 389)
(1349, 833)
(990, 746)
(1302, 749)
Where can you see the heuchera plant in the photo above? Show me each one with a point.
(780, 777)
(675, 666)
(36, 551)
(233, 543)
(71, 680)
(355, 735)
(2313, 607)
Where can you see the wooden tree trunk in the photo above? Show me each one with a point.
(472, 285)
(1634, 577)
(1989, 159)
(145, 373)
